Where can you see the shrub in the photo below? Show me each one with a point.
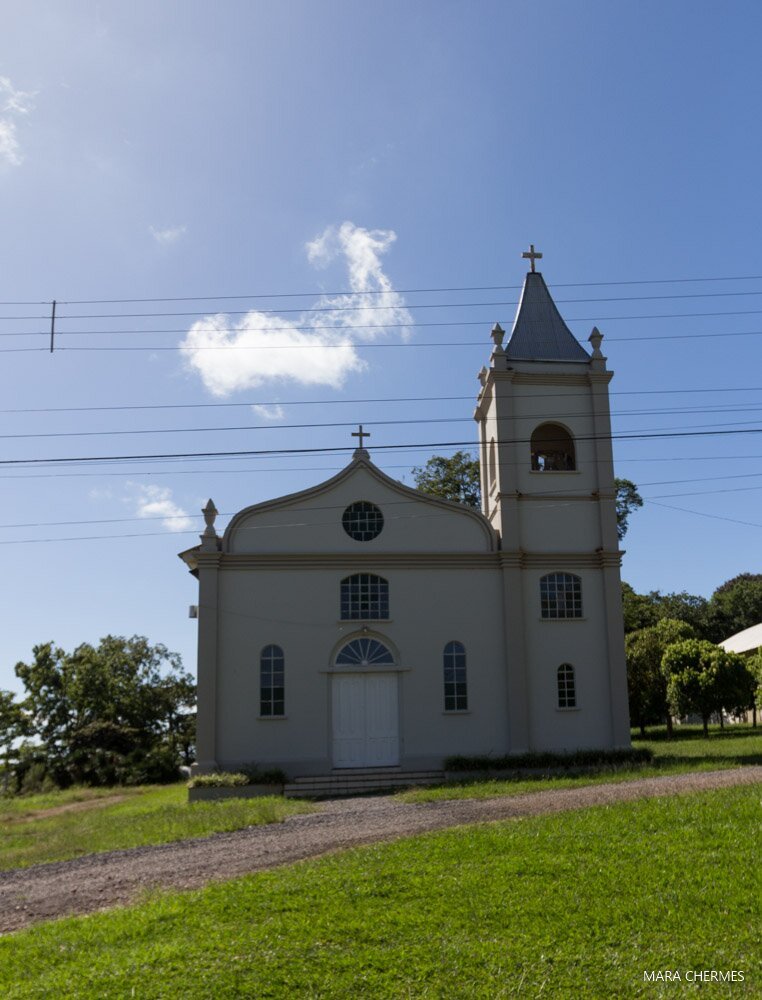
(220, 779)
(525, 761)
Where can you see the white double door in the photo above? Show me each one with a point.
(365, 720)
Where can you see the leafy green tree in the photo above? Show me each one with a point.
(454, 478)
(644, 610)
(735, 605)
(457, 478)
(14, 725)
(703, 678)
(646, 681)
(627, 500)
(639, 610)
(113, 713)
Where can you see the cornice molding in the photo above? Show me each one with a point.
(423, 560)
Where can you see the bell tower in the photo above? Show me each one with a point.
(548, 489)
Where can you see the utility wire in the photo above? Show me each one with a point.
(361, 345)
(739, 408)
(253, 470)
(379, 399)
(341, 449)
(397, 306)
(399, 291)
(184, 515)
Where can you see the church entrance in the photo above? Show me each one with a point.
(365, 720)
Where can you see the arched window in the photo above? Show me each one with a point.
(492, 464)
(455, 688)
(567, 696)
(364, 597)
(364, 653)
(271, 687)
(560, 596)
(552, 449)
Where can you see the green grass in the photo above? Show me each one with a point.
(574, 905)
(146, 815)
(688, 750)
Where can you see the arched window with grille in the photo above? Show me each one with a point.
(271, 682)
(567, 694)
(364, 652)
(560, 596)
(455, 685)
(364, 597)
(552, 449)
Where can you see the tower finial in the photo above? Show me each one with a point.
(531, 256)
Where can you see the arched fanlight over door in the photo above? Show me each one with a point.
(364, 653)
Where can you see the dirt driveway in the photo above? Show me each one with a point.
(115, 878)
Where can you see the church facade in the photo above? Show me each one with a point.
(362, 624)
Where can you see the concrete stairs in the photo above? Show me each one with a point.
(358, 781)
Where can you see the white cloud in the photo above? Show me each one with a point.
(156, 501)
(315, 349)
(166, 237)
(13, 104)
(267, 412)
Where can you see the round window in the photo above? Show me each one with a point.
(362, 521)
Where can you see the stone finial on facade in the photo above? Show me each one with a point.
(497, 335)
(209, 537)
(595, 338)
(482, 375)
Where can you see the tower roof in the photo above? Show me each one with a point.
(539, 333)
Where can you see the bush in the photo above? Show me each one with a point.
(220, 779)
(525, 761)
(237, 779)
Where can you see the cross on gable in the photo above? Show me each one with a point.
(531, 256)
(360, 434)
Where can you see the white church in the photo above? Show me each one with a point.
(362, 624)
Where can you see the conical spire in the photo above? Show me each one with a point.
(539, 333)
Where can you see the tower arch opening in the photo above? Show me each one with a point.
(552, 449)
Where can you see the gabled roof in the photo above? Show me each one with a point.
(539, 333)
(360, 461)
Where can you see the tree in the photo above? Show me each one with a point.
(646, 681)
(735, 605)
(113, 713)
(627, 500)
(454, 478)
(457, 478)
(703, 678)
(13, 726)
(644, 610)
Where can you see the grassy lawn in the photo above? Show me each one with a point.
(57, 826)
(688, 750)
(577, 905)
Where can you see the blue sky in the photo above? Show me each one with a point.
(195, 151)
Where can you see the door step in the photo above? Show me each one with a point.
(356, 781)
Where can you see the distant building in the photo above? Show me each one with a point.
(748, 641)
(362, 624)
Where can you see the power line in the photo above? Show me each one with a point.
(735, 408)
(399, 291)
(361, 345)
(182, 515)
(341, 449)
(379, 399)
(253, 470)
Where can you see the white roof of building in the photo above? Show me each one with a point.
(742, 642)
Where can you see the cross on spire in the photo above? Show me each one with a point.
(360, 434)
(531, 256)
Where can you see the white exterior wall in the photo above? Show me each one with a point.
(298, 610)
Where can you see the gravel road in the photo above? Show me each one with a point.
(115, 878)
